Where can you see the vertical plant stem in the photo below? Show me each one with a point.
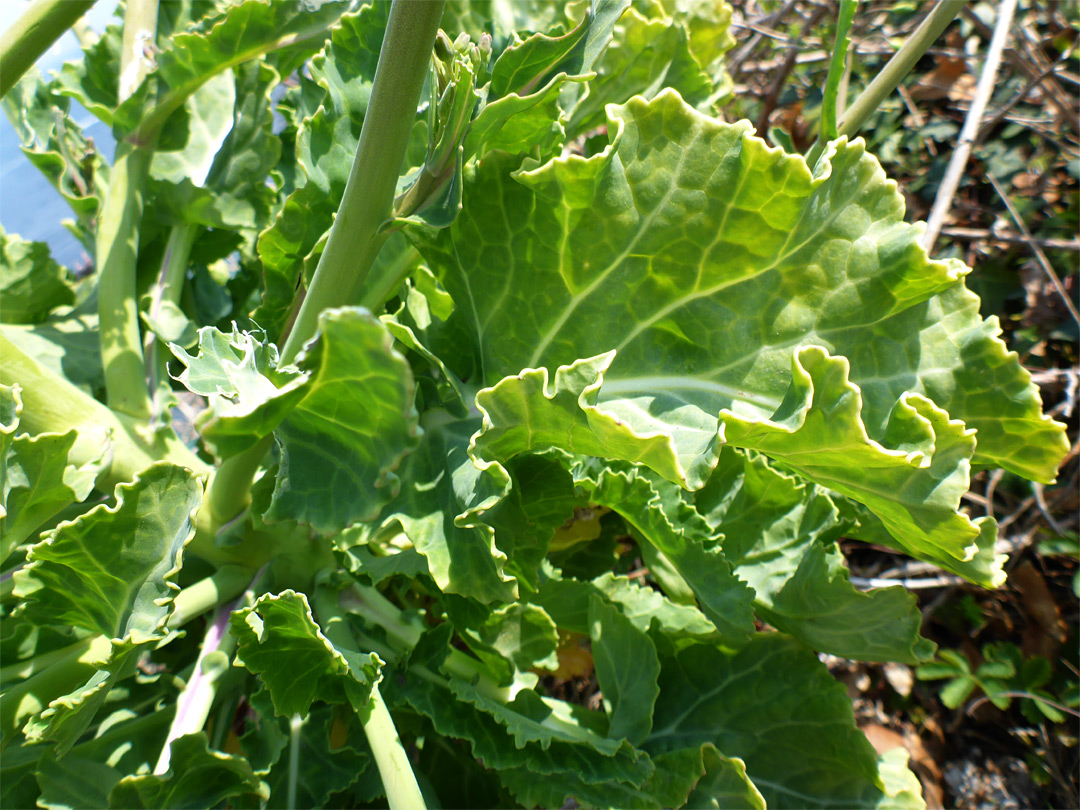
(894, 72)
(356, 236)
(836, 68)
(30, 36)
(951, 181)
(193, 704)
(117, 245)
(296, 729)
(167, 289)
(402, 792)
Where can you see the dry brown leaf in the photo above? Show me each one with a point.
(1045, 631)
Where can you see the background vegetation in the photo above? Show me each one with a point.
(1021, 638)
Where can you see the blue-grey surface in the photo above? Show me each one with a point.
(29, 205)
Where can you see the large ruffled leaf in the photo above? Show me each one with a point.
(279, 640)
(340, 444)
(914, 486)
(438, 512)
(794, 729)
(31, 283)
(778, 535)
(112, 571)
(198, 776)
(705, 259)
(725, 599)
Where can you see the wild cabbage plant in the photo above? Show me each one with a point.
(461, 412)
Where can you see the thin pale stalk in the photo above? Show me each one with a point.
(356, 235)
(837, 69)
(167, 289)
(953, 172)
(117, 244)
(296, 730)
(402, 791)
(193, 704)
(894, 72)
(30, 36)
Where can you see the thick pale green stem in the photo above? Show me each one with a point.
(117, 244)
(32, 34)
(355, 238)
(49, 676)
(51, 404)
(894, 72)
(356, 235)
(230, 488)
(193, 704)
(402, 792)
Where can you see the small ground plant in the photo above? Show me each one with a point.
(442, 363)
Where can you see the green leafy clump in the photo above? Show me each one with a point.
(615, 380)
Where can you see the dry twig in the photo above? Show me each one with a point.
(951, 181)
(1043, 261)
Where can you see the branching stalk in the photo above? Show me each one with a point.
(30, 36)
(356, 235)
(51, 404)
(215, 655)
(894, 72)
(837, 69)
(402, 792)
(117, 244)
